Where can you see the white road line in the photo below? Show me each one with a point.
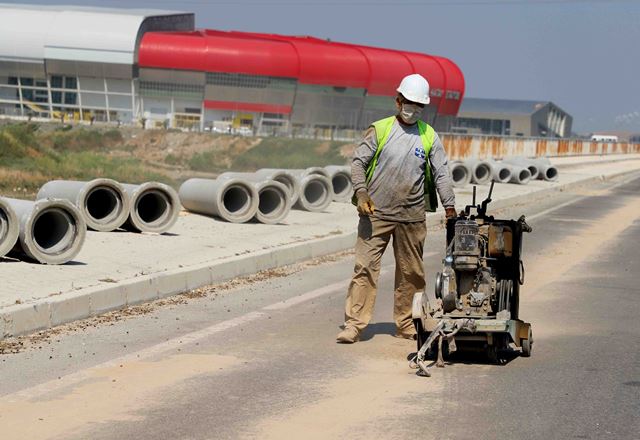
(579, 199)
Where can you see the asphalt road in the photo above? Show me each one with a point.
(257, 358)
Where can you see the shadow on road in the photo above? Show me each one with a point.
(378, 328)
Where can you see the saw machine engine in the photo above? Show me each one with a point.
(477, 292)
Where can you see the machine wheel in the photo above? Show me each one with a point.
(527, 344)
(438, 287)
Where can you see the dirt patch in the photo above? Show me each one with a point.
(362, 402)
(108, 394)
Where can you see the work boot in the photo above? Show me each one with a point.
(348, 336)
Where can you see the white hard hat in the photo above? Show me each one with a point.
(415, 88)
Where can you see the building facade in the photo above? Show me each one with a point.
(152, 68)
(512, 118)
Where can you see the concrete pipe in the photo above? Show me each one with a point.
(274, 200)
(103, 203)
(153, 207)
(460, 173)
(317, 170)
(546, 171)
(523, 162)
(231, 199)
(9, 227)
(500, 172)
(316, 192)
(480, 170)
(341, 182)
(283, 176)
(519, 175)
(51, 231)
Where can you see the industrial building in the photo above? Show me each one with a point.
(512, 118)
(153, 68)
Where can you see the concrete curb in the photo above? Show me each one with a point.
(83, 303)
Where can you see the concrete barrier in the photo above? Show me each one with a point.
(51, 231)
(9, 227)
(231, 199)
(460, 173)
(460, 146)
(103, 203)
(274, 199)
(153, 207)
(341, 182)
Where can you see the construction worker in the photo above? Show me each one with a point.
(396, 171)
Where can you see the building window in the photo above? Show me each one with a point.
(249, 81)
(56, 82)
(70, 83)
(484, 126)
(156, 88)
(70, 98)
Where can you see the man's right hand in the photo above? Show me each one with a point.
(365, 204)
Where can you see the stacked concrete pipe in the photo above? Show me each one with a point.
(283, 176)
(519, 174)
(316, 190)
(341, 182)
(51, 231)
(460, 173)
(9, 227)
(317, 170)
(274, 199)
(480, 170)
(546, 171)
(153, 207)
(103, 203)
(523, 162)
(500, 172)
(231, 199)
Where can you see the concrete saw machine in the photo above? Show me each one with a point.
(477, 293)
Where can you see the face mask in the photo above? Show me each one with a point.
(410, 113)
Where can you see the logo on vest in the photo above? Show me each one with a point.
(419, 152)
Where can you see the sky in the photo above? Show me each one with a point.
(584, 55)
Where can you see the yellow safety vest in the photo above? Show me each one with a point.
(427, 135)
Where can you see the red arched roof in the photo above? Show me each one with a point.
(216, 51)
(455, 87)
(325, 63)
(309, 60)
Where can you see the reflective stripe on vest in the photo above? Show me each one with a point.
(427, 135)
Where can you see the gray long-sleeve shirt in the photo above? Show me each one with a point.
(397, 184)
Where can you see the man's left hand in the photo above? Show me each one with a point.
(450, 212)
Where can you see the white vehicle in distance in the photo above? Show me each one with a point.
(604, 138)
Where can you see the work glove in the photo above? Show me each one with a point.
(365, 204)
(450, 212)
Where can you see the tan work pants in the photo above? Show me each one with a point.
(408, 245)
